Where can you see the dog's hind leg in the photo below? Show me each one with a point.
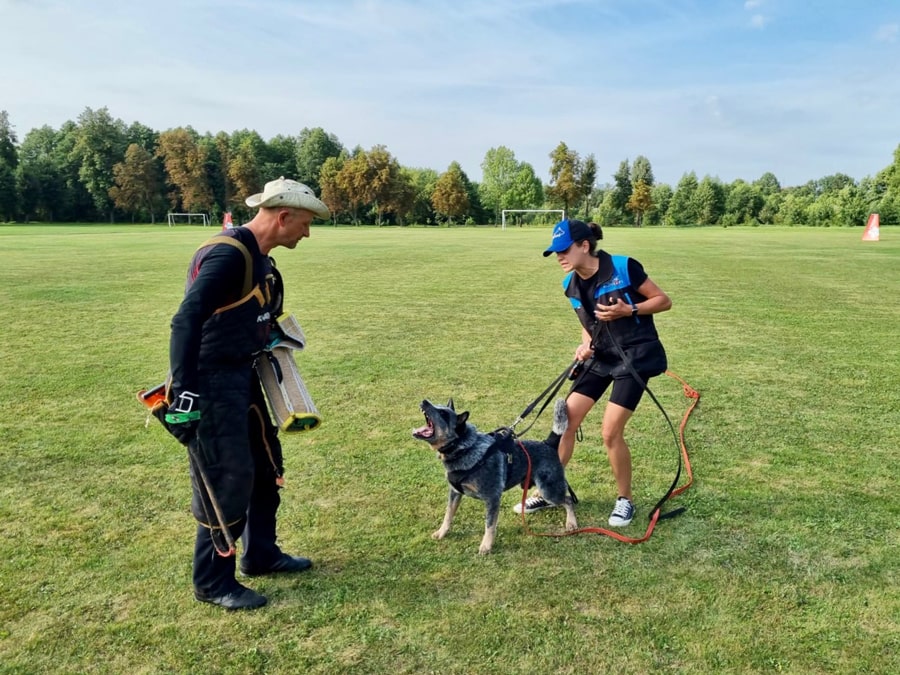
(490, 526)
(452, 505)
(569, 505)
(556, 491)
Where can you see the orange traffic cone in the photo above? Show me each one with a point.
(872, 228)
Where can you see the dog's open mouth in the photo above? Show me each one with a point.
(424, 432)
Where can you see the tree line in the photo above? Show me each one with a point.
(98, 168)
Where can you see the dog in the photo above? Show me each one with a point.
(483, 466)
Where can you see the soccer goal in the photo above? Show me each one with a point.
(188, 218)
(533, 220)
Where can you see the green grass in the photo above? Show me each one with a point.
(786, 559)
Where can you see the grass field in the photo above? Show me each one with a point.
(785, 560)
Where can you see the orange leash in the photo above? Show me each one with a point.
(690, 393)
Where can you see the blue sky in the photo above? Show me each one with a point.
(727, 88)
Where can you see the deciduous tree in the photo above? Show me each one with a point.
(280, 158)
(402, 197)
(743, 203)
(640, 202)
(99, 146)
(331, 192)
(385, 183)
(642, 171)
(661, 197)
(586, 181)
(682, 210)
(450, 198)
(424, 182)
(314, 147)
(9, 161)
(709, 201)
(184, 160)
(245, 166)
(767, 184)
(526, 191)
(498, 174)
(138, 182)
(565, 184)
(622, 187)
(356, 181)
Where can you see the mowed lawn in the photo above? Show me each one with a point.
(784, 561)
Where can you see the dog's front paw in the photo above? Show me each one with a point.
(484, 549)
(440, 533)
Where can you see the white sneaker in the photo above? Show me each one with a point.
(533, 504)
(622, 513)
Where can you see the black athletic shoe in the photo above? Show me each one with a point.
(286, 564)
(240, 598)
(622, 513)
(532, 504)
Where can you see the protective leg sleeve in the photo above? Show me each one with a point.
(259, 536)
(221, 460)
(213, 574)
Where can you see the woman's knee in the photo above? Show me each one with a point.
(577, 408)
(613, 437)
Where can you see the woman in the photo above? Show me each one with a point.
(614, 300)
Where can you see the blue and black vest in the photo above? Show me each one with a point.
(636, 335)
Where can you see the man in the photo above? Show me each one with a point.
(233, 295)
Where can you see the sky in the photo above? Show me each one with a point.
(726, 88)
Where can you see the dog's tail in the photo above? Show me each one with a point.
(560, 423)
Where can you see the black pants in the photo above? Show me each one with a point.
(243, 456)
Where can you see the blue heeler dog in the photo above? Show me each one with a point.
(485, 465)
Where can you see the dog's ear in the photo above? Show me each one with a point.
(450, 405)
(461, 420)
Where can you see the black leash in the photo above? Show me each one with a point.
(576, 370)
(547, 394)
(643, 383)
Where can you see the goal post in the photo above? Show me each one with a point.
(187, 218)
(561, 212)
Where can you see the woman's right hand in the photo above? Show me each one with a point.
(583, 352)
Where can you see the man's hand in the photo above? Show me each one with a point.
(183, 430)
(181, 418)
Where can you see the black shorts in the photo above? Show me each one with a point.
(626, 392)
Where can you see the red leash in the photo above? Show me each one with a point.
(690, 393)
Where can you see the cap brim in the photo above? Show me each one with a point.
(254, 200)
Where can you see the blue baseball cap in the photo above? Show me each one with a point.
(566, 233)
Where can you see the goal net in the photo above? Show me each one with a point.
(188, 218)
(530, 216)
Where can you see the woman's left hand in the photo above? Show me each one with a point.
(620, 310)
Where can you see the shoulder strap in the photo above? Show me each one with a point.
(248, 259)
